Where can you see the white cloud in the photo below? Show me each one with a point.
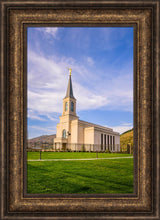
(33, 115)
(52, 118)
(122, 127)
(47, 84)
(49, 130)
(87, 98)
(90, 61)
(48, 31)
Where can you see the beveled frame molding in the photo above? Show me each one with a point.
(144, 202)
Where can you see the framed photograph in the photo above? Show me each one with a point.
(65, 67)
(80, 156)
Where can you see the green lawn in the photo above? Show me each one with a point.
(92, 176)
(72, 155)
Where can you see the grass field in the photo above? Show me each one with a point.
(81, 176)
(72, 155)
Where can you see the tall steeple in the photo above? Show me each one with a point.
(69, 92)
(69, 102)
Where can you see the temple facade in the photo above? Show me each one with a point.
(77, 135)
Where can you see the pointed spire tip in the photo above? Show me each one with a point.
(69, 92)
(70, 70)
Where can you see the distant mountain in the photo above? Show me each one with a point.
(125, 138)
(43, 139)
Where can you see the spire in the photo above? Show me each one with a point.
(69, 92)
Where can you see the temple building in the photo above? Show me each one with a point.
(77, 135)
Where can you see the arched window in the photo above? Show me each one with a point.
(64, 133)
(66, 106)
(72, 106)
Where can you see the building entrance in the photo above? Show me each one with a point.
(64, 146)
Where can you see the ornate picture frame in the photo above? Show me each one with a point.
(144, 17)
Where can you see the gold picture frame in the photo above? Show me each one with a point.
(144, 17)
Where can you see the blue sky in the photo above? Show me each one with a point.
(101, 59)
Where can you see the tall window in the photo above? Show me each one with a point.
(108, 141)
(101, 141)
(72, 106)
(105, 141)
(111, 142)
(64, 133)
(66, 106)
